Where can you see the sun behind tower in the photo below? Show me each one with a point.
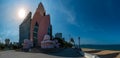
(21, 13)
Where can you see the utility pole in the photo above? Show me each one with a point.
(79, 42)
(69, 36)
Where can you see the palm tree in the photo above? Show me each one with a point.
(7, 41)
(78, 42)
(72, 41)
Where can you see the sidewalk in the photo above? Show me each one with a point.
(66, 53)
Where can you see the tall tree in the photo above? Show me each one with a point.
(7, 41)
(72, 41)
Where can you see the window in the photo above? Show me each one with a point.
(35, 33)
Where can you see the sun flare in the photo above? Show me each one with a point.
(22, 13)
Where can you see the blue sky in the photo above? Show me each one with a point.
(95, 21)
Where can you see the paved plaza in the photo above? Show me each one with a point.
(66, 53)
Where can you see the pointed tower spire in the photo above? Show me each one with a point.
(41, 9)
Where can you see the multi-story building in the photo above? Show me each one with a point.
(40, 26)
(24, 28)
(36, 28)
(58, 35)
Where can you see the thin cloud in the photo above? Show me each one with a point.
(11, 34)
(70, 14)
(71, 18)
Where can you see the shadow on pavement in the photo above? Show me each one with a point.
(61, 52)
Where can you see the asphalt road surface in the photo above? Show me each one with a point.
(66, 53)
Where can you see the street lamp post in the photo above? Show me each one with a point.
(79, 42)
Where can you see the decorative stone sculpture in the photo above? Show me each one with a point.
(47, 43)
(27, 44)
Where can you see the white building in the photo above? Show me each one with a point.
(58, 35)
